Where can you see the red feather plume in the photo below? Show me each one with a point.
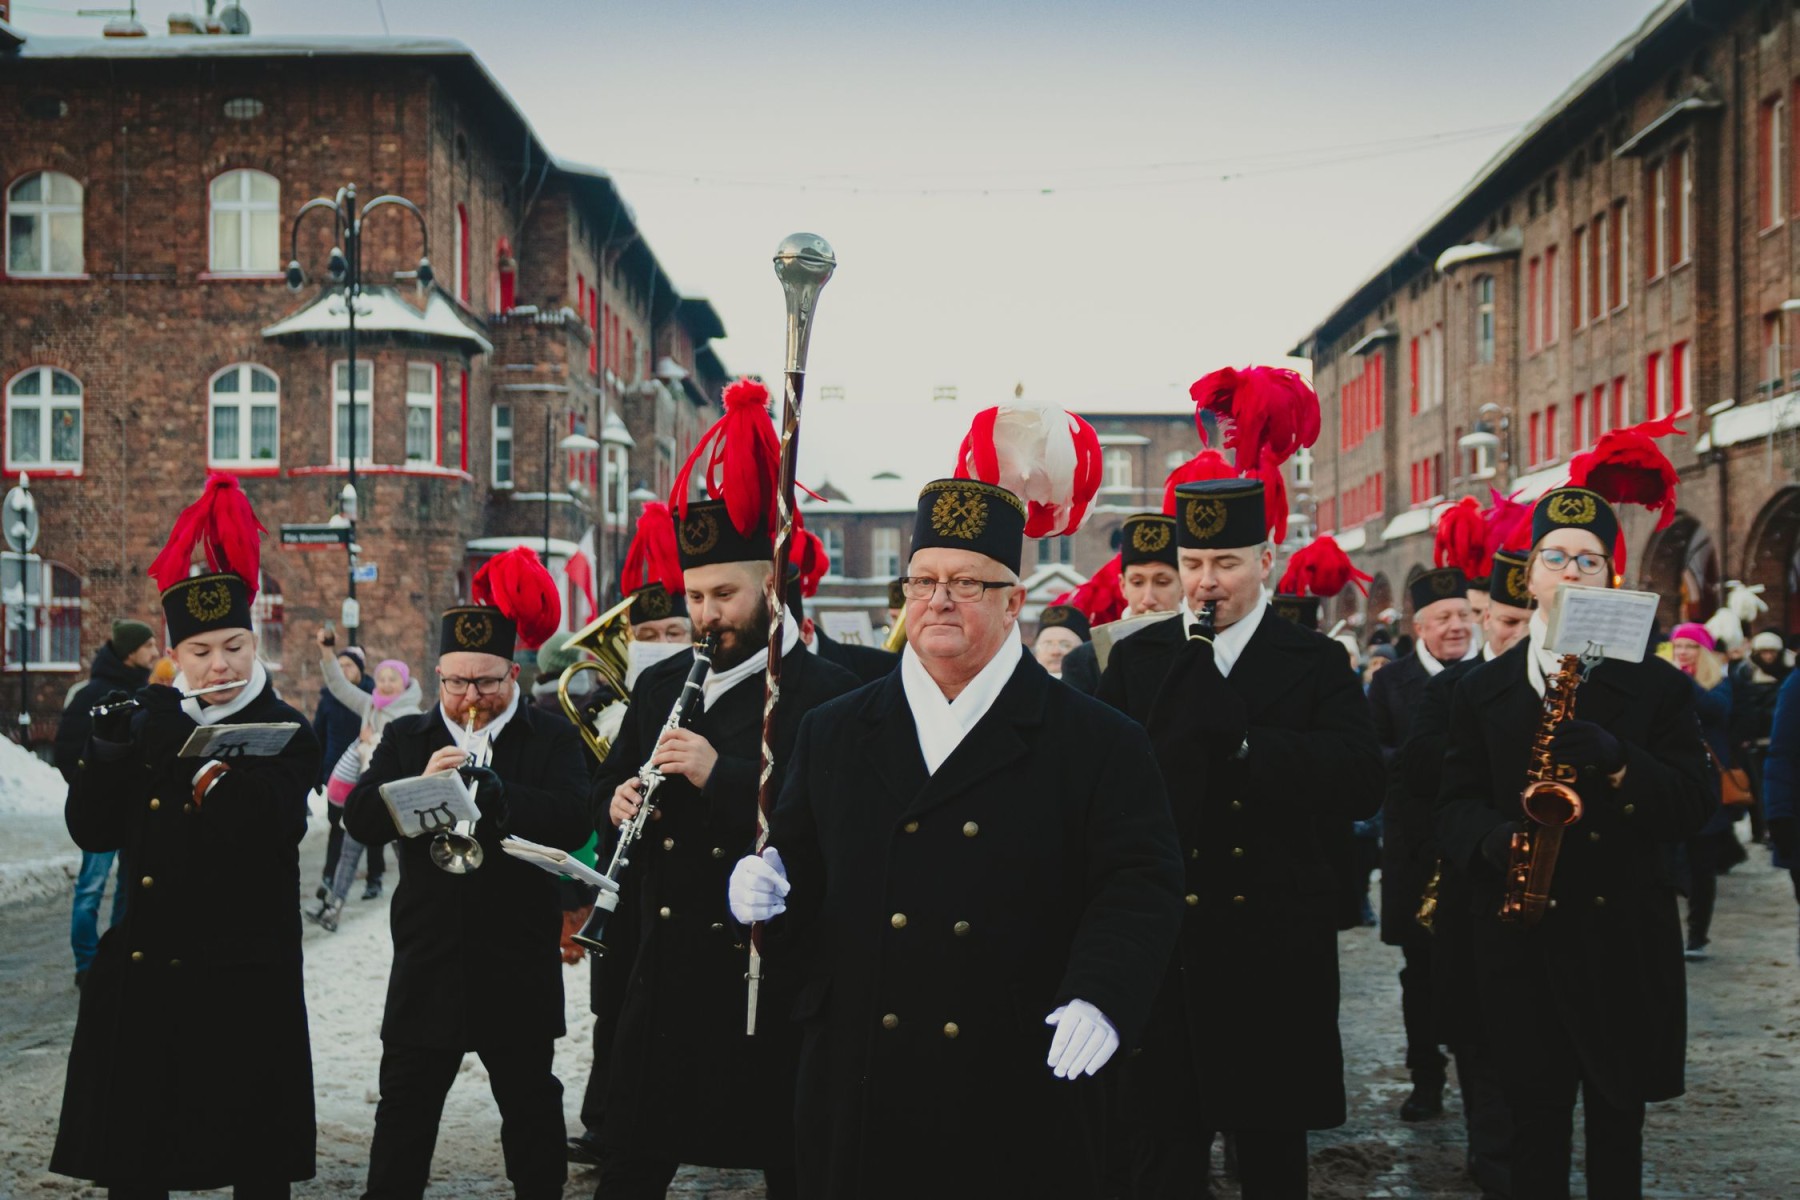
(1461, 540)
(1208, 464)
(1264, 409)
(1508, 525)
(517, 584)
(652, 557)
(808, 557)
(1275, 501)
(739, 459)
(1101, 599)
(1321, 568)
(1626, 467)
(222, 523)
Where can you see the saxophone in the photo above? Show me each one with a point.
(1550, 801)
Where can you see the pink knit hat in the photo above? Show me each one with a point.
(1693, 632)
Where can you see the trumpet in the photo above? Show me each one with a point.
(650, 777)
(455, 849)
(101, 710)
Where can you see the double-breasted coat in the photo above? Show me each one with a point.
(1244, 1034)
(477, 957)
(686, 1084)
(939, 918)
(1603, 970)
(1408, 850)
(195, 1000)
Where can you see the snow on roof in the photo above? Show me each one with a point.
(381, 310)
(883, 492)
(245, 46)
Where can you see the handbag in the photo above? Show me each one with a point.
(1734, 788)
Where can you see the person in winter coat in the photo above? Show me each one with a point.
(1754, 684)
(396, 695)
(1781, 780)
(337, 727)
(1693, 651)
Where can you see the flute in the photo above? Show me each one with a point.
(100, 710)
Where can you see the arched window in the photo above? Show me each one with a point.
(43, 225)
(42, 613)
(267, 617)
(244, 412)
(43, 422)
(246, 216)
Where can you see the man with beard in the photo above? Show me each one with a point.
(680, 1063)
(1147, 579)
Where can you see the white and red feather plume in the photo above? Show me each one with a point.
(223, 525)
(1048, 458)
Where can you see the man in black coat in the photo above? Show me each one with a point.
(680, 1064)
(195, 1003)
(1591, 997)
(974, 870)
(477, 956)
(1456, 996)
(865, 663)
(1446, 634)
(1148, 580)
(1266, 749)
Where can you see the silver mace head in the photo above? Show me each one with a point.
(803, 263)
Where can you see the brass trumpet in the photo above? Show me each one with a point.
(455, 850)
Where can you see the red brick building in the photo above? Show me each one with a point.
(146, 333)
(1631, 254)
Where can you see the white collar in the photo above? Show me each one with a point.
(720, 682)
(1487, 652)
(486, 734)
(1540, 663)
(1432, 665)
(212, 714)
(942, 723)
(1231, 640)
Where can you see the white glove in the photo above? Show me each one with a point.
(1084, 1039)
(758, 887)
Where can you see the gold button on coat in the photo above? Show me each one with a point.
(971, 829)
(187, 810)
(1194, 853)
(668, 843)
(911, 827)
(137, 956)
(950, 1030)
(1593, 835)
(961, 929)
(718, 852)
(890, 1021)
(1629, 809)
(664, 912)
(155, 804)
(1599, 901)
(147, 881)
(1237, 852)
(1237, 806)
(1239, 900)
(898, 920)
(1193, 901)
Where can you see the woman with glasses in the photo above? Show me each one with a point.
(1590, 999)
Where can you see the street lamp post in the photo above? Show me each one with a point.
(576, 443)
(345, 269)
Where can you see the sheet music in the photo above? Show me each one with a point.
(426, 805)
(557, 862)
(1617, 622)
(239, 741)
(1105, 637)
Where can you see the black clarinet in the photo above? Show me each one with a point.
(593, 933)
(1206, 623)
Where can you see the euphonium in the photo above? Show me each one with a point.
(455, 850)
(607, 637)
(1550, 801)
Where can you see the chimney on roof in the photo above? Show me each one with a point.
(182, 24)
(124, 27)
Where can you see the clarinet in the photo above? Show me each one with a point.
(593, 933)
(1206, 622)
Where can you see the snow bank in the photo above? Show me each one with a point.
(28, 784)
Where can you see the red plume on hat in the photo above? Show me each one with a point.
(807, 556)
(1508, 524)
(1461, 540)
(1321, 568)
(1046, 457)
(222, 524)
(1626, 467)
(652, 557)
(1100, 599)
(1208, 464)
(1264, 408)
(517, 584)
(739, 458)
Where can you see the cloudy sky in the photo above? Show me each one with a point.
(1097, 200)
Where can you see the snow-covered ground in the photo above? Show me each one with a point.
(28, 784)
(39, 859)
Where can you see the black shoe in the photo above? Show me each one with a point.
(323, 892)
(373, 890)
(1426, 1101)
(585, 1149)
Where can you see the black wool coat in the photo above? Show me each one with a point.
(107, 674)
(1081, 669)
(195, 1002)
(866, 663)
(938, 920)
(1244, 1034)
(682, 1072)
(477, 957)
(1408, 851)
(1604, 968)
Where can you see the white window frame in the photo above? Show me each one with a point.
(43, 602)
(1777, 164)
(616, 480)
(46, 402)
(248, 210)
(243, 400)
(1684, 209)
(428, 402)
(1302, 463)
(46, 210)
(832, 538)
(1601, 225)
(268, 603)
(1115, 469)
(340, 409)
(1659, 231)
(884, 552)
(497, 436)
(1484, 318)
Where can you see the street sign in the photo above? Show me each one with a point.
(315, 536)
(351, 613)
(19, 520)
(363, 572)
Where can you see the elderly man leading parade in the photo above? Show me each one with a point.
(975, 873)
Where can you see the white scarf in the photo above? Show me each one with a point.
(469, 742)
(942, 723)
(212, 714)
(1230, 642)
(720, 682)
(1540, 663)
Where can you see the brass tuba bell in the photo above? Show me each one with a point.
(607, 637)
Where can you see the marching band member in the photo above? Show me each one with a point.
(1062, 628)
(973, 868)
(1590, 998)
(1266, 749)
(477, 959)
(1148, 583)
(191, 998)
(680, 1065)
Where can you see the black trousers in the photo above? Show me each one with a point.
(1543, 1130)
(241, 1191)
(414, 1082)
(1167, 1165)
(1486, 1119)
(627, 1176)
(593, 1099)
(1423, 1058)
(1703, 885)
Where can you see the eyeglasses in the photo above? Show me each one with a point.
(962, 591)
(1587, 564)
(456, 685)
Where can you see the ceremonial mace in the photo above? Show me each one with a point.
(803, 263)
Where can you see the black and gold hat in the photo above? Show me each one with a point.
(1512, 571)
(205, 603)
(1575, 508)
(706, 536)
(1300, 610)
(477, 629)
(652, 602)
(967, 514)
(896, 595)
(1147, 538)
(1444, 583)
(1220, 514)
(1064, 616)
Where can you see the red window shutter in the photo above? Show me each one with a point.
(1412, 386)
(1531, 442)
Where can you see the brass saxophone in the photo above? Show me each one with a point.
(1550, 802)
